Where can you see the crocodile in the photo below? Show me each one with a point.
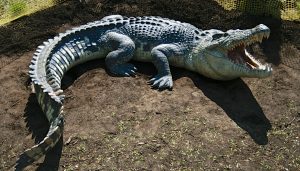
(212, 53)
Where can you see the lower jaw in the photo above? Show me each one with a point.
(232, 76)
(257, 74)
(226, 75)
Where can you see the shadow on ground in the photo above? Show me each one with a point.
(237, 101)
(38, 125)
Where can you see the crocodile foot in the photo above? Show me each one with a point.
(161, 82)
(125, 70)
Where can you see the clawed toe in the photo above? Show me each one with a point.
(126, 70)
(161, 82)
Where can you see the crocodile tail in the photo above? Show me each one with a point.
(34, 153)
(46, 85)
(50, 102)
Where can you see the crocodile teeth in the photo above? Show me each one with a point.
(268, 68)
(266, 35)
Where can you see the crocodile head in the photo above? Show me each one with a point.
(224, 56)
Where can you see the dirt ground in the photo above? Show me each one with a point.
(115, 123)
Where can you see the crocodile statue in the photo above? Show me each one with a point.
(213, 53)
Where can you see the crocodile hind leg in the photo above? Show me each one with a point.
(116, 60)
(160, 54)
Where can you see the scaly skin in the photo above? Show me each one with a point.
(212, 53)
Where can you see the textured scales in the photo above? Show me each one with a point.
(118, 39)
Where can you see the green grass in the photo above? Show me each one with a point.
(16, 7)
(298, 6)
(2, 7)
(13, 9)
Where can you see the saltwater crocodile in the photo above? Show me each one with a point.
(212, 53)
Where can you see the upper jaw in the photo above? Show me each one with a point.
(246, 37)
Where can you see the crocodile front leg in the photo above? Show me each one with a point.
(160, 54)
(116, 60)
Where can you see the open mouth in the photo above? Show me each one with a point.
(239, 55)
